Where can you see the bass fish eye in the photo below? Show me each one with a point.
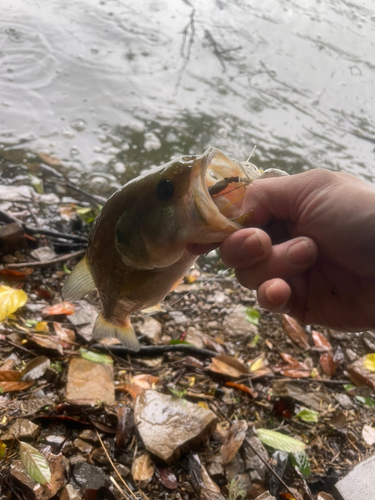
(165, 189)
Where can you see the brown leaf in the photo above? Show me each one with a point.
(321, 341)
(295, 331)
(47, 342)
(327, 363)
(324, 496)
(15, 386)
(227, 365)
(295, 373)
(11, 275)
(233, 440)
(9, 375)
(138, 384)
(293, 362)
(35, 368)
(243, 388)
(166, 477)
(65, 308)
(66, 335)
(143, 468)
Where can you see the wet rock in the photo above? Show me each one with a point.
(215, 467)
(70, 493)
(35, 490)
(89, 476)
(151, 329)
(253, 464)
(22, 429)
(178, 317)
(12, 237)
(237, 327)
(203, 485)
(344, 400)
(170, 426)
(89, 435)
(43, 253)
(235, 467)
(82, 446)
(84, 318)
(90, 382)
(359, 483)
(194, 337)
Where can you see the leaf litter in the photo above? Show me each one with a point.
(267, 380)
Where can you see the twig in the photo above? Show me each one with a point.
(186, 57)
(149, 351)
(115, 484)
(38, 263)
(21, 347)
(113, 466)
(271, 470)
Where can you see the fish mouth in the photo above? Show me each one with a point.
(219, 188)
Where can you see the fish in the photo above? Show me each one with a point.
(138, 245)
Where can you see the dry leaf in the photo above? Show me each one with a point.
(243, 388)
(295, 373)
(233, 440)
(13, 275)
(64, 334)
(257, 363)
(65, 308)
(295, 331)
(227, 365)
(368, 434)
(138, 384)
(10, 300)
(15, 386)
(327, 363)
(321, 341)
(67, 212)
(42, 326)
(9, 375)
(47, 342)
(369, 362)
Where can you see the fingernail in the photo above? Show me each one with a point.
(251, 246)
(272, 299)
(299, 253)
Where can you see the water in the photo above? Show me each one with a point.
(108, 88)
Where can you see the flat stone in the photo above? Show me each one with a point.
(90, 382)
(194, 337)
(151, 329)
(236, 325)
(359, 483)
(178, 317)
(43, 253)
(84, 318)
(170, 426)
(22, 429)
(83, 446)
(344, 400)
(12, 237)
(89, 476)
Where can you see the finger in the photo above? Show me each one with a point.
(274, 295)
(201, 248)
(286, 260)
(245, 248)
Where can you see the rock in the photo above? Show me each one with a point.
(43, 253)
(89, 435)
(178, 317)
(215, 467)
(12, 237)
(235, 467)
(154, 362)
(344, 400)
(90, 382)
(69, 493)
(21, 429)
(35, 490)
(253, 464)
(83, 446)
(282, 389)
(151, 329)
(89, 476)
(237, 327)
(171, 426)
(359, 483)
(195, 337)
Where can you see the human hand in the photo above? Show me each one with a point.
(323, 270)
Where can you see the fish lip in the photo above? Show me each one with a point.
(205, 204)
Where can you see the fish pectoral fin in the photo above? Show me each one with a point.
(79, 282)
(124, 333)
(153, 309)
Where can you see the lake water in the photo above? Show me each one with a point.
(111, 87)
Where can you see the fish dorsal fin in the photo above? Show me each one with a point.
(124, 333)
(79, 282)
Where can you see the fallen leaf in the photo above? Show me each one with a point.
(64, 334)
(361, 374)
(47, 342)
(293, 362)
(227, 365)
(257, 363)
(243, 388)
(35, 368)
(3, 448)
(143, 468)
(42, 327)
(280, 441)
(324, 496)
(65, 308)
(233, 440)
(9, 375)
(327, 363)
(138, 384)
(308, 415)
(67, 212)
(35, 464)
(300, 462)
(321, 341)
(369, 362)
(10, 300)
(14, 276)
(368, 434)
(95, 356)
(252, 315)
(295, 331)
(295, 373)
(167, 478)
(203, 485)
(15, 386)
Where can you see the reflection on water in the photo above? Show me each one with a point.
(110, 87)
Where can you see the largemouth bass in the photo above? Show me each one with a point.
(137, 246)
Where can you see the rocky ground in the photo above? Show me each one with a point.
(190, 415)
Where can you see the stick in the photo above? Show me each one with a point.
(38, 263)
(157, 350)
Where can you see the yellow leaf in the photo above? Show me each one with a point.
(369, 362)
(10, 300)
(42, 326)
(203, 405)
(191, 381)
(258, 363)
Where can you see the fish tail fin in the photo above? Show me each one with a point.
(79, 282)
(125, 333)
